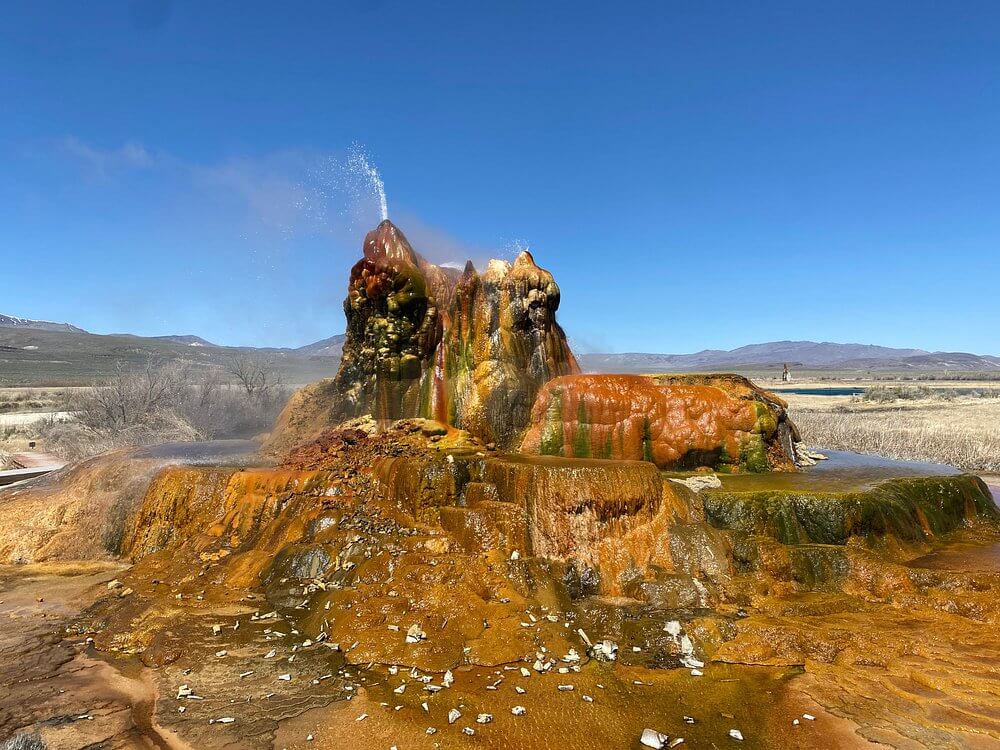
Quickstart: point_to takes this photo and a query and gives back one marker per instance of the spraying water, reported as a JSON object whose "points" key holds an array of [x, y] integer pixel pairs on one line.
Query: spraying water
{"points": [[357, 162]]}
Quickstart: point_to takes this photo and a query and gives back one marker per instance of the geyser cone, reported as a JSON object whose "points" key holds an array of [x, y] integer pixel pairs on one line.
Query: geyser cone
{"points": [[386, 241]]}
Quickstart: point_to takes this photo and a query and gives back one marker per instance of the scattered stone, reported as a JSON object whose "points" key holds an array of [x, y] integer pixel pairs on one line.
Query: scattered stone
{"points": [[605, 650], [699, 483], [454, 715], [736, 734], [519, 710], [484, 718], [415, 634], [654, 739]]}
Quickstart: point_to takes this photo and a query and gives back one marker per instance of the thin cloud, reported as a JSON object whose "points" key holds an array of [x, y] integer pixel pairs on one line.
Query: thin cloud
{"points": [[131, 155]]}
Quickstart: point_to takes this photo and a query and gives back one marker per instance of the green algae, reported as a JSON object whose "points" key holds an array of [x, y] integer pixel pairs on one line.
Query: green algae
{"points": [[552, 432], [910, 509]]}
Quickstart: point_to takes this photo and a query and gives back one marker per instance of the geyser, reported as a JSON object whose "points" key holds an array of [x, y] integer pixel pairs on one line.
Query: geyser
{"points": [[359, 164]]}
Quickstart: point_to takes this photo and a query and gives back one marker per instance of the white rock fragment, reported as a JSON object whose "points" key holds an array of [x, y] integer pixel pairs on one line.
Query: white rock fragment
{"points": [[808, 717], [606, 650], [654, 739], [362, 717], [484, 718], [736, 734], [525, 672], [566, 688], [519, 710], [699, 483], [454, 715], [284, 677], [448, 679], [415, 634]]}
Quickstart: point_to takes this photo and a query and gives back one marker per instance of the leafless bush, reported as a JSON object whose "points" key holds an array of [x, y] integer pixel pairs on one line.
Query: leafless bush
{"points": [[163, 403]]}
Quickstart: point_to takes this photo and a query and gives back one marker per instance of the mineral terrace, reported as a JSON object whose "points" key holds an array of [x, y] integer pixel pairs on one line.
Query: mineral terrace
{"points": [[462, 541]]}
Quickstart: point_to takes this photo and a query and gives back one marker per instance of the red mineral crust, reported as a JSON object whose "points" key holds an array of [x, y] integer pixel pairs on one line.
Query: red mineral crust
{"points": [[730, 424]]}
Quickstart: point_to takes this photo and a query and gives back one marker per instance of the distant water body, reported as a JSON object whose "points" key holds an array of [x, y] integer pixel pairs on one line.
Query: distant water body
{"points": [[856, 391], [832, 391]]}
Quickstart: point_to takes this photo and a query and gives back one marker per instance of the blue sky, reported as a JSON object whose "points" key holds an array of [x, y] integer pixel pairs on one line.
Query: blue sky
{"points": [[695, 174]]}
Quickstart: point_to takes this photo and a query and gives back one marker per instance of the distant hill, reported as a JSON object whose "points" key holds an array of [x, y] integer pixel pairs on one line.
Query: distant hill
{"points": [[809, 355], [10, 321], [331, 347], [189, 340], [34, 352], [31, 356]]}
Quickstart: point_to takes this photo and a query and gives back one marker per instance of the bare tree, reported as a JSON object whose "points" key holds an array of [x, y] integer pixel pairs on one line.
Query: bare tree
{"points": [[131, 398], [256, 375]]}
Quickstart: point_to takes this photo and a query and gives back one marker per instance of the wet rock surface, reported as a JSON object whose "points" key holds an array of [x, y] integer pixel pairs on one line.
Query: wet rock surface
{"points": [[722, 423], [271, 605]]}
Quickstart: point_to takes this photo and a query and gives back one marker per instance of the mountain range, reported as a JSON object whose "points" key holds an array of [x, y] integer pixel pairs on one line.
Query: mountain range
{"points": [[809, 355], [35, 351], [9, 321]]}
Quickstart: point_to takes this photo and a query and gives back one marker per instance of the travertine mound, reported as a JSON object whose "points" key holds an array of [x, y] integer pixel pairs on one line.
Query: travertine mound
{"points": [[723, 422], [468, 350]]}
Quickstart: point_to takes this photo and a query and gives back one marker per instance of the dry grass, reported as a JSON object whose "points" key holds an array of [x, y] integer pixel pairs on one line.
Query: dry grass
{"points": [[962, 432]]}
